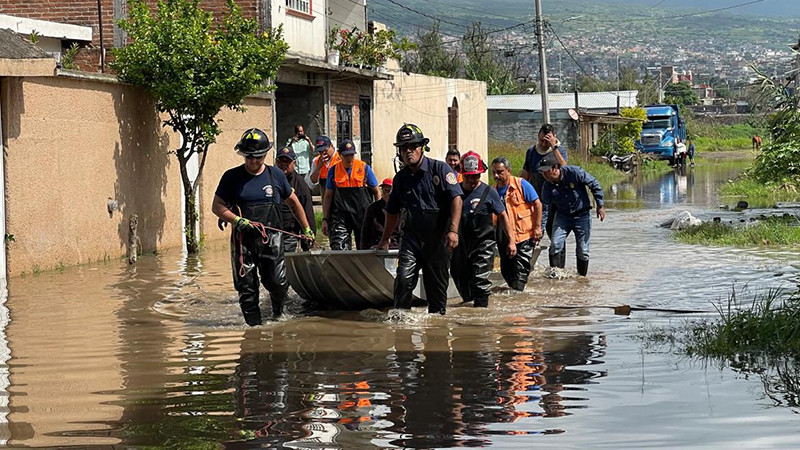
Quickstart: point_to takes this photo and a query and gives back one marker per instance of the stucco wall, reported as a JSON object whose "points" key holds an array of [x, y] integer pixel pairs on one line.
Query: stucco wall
{"points": [[72, 145], [424, 100], [305, 36]]}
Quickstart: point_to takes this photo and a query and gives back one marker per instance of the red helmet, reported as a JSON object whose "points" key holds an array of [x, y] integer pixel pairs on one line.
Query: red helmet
{"points": [[472, 164], [386, 182]]}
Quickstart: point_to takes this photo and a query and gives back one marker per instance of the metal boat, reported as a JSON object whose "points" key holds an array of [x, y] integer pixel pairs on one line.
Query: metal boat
{"points": [[356, 279]]}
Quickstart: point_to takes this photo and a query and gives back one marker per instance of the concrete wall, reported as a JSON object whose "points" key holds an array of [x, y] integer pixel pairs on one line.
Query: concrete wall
{"points": [[523, 127], [305, 36], [72, 145], [424, 100]]}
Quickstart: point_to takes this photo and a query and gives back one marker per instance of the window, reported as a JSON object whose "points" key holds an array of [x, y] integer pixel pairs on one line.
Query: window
{"points": [[344, 122], [303, 6]]}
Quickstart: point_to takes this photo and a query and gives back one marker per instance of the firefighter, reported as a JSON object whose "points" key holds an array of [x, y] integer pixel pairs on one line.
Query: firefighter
{"points": [[429, 192], [350, 188], [473, 259], [249, 196], [565, 187], [525, 216]]}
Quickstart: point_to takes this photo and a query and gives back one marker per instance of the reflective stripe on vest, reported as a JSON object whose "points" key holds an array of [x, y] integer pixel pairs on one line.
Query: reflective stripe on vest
{"points": [[519, 211], [323, 169], [357, 177]]}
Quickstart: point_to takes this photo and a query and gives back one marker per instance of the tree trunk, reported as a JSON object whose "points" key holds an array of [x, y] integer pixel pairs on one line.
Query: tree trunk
{"points": [[190, 222]]}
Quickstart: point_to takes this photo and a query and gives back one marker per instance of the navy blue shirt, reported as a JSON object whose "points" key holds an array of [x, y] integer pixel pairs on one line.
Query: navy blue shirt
{"points": [[432, 188], [532, 158], [569, 194], [491, 204], [238, 187]]}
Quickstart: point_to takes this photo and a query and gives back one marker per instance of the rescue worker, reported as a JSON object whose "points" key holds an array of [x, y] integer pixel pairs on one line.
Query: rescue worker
{"points": [[473, 259], [431, 196], [566, 188], [325, 159], [546, 144], [375, 219], [350, 187], [525, 216], [286, 160], [255, 191], [453, 159]]}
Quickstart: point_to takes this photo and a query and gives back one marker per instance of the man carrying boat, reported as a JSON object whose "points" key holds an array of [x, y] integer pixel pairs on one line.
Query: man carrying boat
{"points": [[350, 187], [286, 161], [249, 196], [525, 216], [473, 259], [565, 187], [429, 192]]}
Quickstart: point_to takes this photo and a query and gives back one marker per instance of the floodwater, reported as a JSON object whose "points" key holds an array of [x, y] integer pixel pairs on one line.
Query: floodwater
{"points": [[157, 355]]}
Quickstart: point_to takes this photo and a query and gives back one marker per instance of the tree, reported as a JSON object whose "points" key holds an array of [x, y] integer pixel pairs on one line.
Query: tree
{"points": [[680, 93], [193, 67], [432, 57], [483, 62]]}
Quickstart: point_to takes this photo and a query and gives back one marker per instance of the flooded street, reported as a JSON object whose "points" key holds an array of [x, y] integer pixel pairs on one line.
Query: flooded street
{"points": [[158, 355]]}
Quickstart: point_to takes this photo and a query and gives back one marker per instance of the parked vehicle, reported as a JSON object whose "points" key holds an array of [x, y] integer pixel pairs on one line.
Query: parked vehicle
{"points": [[663, 128], [625, 163]]}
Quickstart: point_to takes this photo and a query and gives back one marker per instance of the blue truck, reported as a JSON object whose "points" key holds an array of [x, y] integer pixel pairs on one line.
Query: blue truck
{"points": [[660, 133]]}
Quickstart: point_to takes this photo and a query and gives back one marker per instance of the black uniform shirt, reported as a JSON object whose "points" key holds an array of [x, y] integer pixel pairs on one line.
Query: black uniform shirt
{"points": [[492, 204], [432, 188], [238, 187]]}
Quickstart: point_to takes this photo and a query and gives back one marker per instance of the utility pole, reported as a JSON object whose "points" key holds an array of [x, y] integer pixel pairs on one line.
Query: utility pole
{"points": [[542, 62]]}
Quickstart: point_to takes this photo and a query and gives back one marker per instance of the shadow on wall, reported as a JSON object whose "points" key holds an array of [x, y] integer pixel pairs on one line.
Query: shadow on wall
{"points": [[141, 159]]}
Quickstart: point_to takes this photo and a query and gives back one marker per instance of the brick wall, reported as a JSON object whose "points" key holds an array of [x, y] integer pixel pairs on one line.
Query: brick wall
{"points": [[347, 93], [85, 13]]}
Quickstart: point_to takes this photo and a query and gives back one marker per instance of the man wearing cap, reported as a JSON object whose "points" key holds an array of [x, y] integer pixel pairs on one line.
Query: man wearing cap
{"points": [[375, 219], [473, 259], [429, 192], [525, 216], [325, 159], [249, 196], [565, 187], [286, 160], [350, 188]]}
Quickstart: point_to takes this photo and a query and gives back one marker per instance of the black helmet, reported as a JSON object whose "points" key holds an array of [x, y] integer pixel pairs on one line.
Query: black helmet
{"points": [[410, 134], [254, 142]]}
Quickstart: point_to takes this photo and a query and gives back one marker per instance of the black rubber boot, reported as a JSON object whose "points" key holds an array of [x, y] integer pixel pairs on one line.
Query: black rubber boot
{"points": [[481, 302], [253, 318], [553, 259], [517, 285], [558, 260], [583, 267], [277, 305]]}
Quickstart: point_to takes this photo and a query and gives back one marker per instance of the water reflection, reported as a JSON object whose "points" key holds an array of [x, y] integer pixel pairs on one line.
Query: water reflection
{"points": [[431, 389], [679, 186]]}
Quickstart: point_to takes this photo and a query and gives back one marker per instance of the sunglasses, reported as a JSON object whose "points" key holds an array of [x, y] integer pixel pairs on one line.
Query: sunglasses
{"points": [[254, 156], [408, 146]]}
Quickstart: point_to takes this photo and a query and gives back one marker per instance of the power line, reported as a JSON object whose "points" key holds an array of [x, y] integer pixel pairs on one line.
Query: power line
{"points": [[439, 19], [566, 49]]}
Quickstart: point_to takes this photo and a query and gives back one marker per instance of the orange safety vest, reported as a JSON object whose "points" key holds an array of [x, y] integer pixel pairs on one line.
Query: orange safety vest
{"points": [[323, 169], [459, 177], [357, 177], [520, 212]]}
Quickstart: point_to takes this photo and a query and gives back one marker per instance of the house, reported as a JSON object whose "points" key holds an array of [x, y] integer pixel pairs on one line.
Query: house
{"points": [[124, 169], [517, 118]]}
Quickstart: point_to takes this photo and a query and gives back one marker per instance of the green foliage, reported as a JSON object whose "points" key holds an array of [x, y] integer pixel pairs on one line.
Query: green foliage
{"points": [[681, 94], [68, 57], [758, 193], [431, 57], [773, 232], [368, 49], [483, 62], [629, 133], [34, 37], [193, 66]]}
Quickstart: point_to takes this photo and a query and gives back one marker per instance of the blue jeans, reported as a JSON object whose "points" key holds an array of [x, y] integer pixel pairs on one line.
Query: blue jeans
{"points": [[581, 225]]}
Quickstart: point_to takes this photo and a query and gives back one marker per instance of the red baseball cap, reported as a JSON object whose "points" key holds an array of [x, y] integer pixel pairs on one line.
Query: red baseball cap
{"points": [[386, 182]]}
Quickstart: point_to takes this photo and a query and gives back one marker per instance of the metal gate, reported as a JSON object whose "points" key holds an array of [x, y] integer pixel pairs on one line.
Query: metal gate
{"points": [[344, 122], [365, 122]]}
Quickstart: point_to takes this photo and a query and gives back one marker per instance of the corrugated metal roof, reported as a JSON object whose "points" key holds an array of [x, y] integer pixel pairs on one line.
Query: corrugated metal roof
{"points": [[588, 100]]}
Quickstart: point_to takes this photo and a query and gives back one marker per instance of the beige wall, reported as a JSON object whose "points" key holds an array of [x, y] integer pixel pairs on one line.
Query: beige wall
{"points": [[423, 100], [73, 144]]}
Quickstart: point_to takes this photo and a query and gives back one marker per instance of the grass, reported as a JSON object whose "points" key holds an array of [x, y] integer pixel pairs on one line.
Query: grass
{"points": [[760, 194], [773, 232], [766, 327], [712, 137]]}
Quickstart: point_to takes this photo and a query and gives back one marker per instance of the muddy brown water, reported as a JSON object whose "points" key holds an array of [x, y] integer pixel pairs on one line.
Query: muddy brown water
{"points": [[156, 355]]}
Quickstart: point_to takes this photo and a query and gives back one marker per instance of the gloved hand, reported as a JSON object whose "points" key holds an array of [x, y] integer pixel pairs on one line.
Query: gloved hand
{"points": [[242, 224], [308, 233]]}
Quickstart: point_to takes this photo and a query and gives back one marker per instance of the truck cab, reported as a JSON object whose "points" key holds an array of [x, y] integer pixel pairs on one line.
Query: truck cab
{"points": [[660, 133]]}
